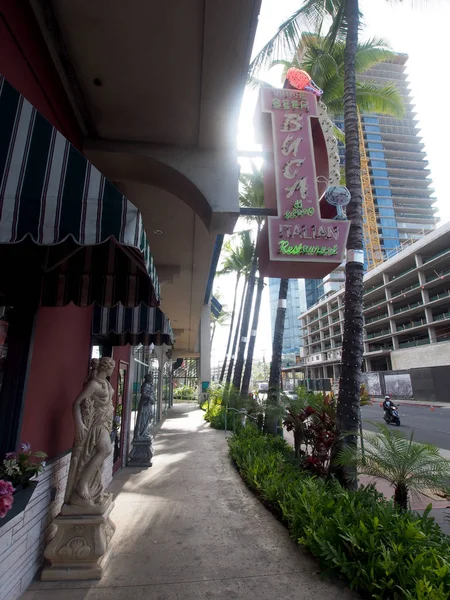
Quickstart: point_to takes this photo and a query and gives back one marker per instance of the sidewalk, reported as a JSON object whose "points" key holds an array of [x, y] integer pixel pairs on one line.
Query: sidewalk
{"points": [[188, 529]]}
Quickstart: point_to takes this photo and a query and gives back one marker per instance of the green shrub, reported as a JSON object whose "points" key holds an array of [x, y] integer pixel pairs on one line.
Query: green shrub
{"points": [[185, 392], [222, 398], [359, 536]]}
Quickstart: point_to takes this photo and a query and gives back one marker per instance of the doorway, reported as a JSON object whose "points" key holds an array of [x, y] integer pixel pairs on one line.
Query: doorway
{"points": [[120, 411]]}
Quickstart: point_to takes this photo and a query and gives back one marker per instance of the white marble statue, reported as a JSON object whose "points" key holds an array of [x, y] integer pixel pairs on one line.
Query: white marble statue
{"points": [[93, 413]]}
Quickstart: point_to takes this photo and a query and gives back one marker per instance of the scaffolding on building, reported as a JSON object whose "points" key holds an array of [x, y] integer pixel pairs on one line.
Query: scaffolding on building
{"points": [[374, 254]]}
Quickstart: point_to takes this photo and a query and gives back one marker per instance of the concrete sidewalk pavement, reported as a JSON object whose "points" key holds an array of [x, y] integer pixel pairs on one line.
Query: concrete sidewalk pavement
{"points": [[188, 528]]}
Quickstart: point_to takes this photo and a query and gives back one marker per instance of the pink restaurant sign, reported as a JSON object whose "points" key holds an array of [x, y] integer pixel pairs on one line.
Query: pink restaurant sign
{"points": [[304, 239]]}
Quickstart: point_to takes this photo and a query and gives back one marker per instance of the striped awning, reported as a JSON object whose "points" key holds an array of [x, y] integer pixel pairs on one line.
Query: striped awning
{"points": [[60, 215], [140, 325]]}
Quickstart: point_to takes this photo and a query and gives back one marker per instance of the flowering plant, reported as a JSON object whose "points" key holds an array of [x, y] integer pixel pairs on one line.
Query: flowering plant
{"points": [[6, 497], [20, 467]]}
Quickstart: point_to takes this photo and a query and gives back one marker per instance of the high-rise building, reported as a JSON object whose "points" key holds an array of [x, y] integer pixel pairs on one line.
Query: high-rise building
{"points": [[397, 164], [400, 181], [294, 307]]}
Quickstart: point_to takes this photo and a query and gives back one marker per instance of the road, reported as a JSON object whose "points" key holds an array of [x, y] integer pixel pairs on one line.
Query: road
{"points": [[428, 426]]}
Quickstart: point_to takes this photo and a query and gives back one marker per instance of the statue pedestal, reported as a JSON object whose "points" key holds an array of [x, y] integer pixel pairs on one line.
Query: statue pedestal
{"points": [[79, 549], [141, 453]]}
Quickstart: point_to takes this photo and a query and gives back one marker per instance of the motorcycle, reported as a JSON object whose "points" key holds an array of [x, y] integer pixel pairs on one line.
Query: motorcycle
{"points": [[391, 416]]}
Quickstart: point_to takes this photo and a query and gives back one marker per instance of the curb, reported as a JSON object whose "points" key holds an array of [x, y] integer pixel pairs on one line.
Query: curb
{"points": [[412, 403]]}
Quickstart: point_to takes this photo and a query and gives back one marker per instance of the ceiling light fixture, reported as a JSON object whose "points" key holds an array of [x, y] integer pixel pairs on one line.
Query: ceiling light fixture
{"points": [[157, 231]]}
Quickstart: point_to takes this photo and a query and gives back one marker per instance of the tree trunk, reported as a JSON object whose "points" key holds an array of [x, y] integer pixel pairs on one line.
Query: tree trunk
{"points": [[236, 337], [275, 365], [245, 320], [230, 335], [298, 436], [401, 496], [352, 346], [251, 344]]}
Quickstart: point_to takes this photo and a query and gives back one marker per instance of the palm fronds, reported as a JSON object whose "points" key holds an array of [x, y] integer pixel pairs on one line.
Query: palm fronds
{"points": [[400, 461], [284, 42], [381, 99]]}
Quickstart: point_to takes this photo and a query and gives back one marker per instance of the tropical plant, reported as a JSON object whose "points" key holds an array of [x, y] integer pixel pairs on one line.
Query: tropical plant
{"points": [[357, 536], [408, 466], [312, 419], [238, 258], [184, 392], [251, 195]]}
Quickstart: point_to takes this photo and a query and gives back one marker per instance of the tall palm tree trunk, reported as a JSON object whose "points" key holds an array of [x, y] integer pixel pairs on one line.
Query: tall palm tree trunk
{"points": [[230, 334], [352, 346], [236, 336], [246, 320], [251, 344], [275, 365]]}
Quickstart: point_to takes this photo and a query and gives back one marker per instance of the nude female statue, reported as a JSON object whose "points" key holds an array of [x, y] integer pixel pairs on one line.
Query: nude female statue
{"points": [[93, 413], [145, 410]]}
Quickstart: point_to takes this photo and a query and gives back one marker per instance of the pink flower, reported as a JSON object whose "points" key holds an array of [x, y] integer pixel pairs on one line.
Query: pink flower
{"points": [[5, 505], [6, 488], [25, 447]]}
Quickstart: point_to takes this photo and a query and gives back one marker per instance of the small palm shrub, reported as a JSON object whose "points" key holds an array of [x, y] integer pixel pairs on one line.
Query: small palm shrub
{"points": [[408, 466]]}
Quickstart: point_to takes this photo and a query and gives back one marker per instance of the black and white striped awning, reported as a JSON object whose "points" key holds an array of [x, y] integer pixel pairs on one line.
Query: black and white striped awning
{"points": [[140, 325], [60, 215]]}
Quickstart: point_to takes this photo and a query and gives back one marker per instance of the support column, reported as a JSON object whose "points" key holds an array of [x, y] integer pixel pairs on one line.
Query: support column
{"points": [[205, 349]]}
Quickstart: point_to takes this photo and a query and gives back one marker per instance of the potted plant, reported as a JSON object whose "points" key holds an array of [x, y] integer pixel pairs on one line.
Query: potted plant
{"points": [[16, 487]]}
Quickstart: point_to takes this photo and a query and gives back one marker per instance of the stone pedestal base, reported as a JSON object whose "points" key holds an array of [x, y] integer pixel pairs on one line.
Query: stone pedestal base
{"points": [[79, 549], [141, 454]]}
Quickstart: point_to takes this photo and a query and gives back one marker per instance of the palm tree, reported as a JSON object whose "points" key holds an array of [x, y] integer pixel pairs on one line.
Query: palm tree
{"points": [[251, 344], [325, 64], [408, 466], [221, 320], [236, 336], [275, 366], [251, 196], [239, 252], [345, 15]]}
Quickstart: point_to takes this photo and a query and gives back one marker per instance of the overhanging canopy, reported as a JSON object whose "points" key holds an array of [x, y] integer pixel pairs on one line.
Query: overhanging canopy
{"points": [[62, 219], [140, 325]]}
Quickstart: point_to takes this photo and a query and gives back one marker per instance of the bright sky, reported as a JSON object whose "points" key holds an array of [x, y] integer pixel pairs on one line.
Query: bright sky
{"points": [[421, 32]]}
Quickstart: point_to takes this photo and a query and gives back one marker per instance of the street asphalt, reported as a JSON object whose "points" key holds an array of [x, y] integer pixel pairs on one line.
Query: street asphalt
{"points": [[429, 426]]}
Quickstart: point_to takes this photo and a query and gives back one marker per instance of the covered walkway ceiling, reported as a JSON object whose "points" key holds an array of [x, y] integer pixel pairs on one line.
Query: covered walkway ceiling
{"points": [[161, 82]]}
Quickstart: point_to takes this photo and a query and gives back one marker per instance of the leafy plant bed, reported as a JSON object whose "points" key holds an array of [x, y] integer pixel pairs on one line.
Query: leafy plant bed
{"points": [[358, 536]]}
